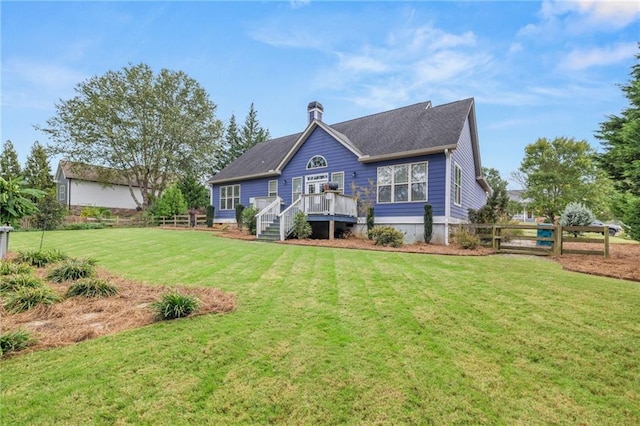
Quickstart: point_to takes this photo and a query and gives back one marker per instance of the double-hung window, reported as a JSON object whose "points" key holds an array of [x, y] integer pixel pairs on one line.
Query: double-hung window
{"points": [[338, 177], [273, 188], [229, 197], [402, 183]]}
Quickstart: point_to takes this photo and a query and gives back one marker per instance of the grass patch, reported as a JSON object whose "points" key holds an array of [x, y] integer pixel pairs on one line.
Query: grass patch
{"points": [[16, 282], [40, 258], [174, 305], [92, 287], [12, 268], [72, 269], [329, 336], [14, 341], [25, 298]]}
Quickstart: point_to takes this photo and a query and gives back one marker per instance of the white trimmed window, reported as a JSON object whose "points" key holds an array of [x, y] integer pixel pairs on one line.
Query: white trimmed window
{"points": [[402, 183], [457, 185], [296, 188], [316, 162], [273, 188], [338, 177], [62, 193], [229, 197]]}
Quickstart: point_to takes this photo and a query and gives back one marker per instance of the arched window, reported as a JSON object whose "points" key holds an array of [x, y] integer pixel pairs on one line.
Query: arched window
{"points": [[316, 162]]}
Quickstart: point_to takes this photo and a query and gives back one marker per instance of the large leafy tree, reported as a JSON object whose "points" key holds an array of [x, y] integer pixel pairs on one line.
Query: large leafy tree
{"points": [[148, 128], [559, 171], [9, 164], [496, 207], [37, 171], [620, 136]]}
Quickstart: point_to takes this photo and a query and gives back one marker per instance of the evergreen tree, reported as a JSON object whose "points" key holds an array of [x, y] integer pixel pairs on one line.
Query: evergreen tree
{"points": [[37, 171], [195, 194], [620, 136], [9, 165], [238, 141], [252, 133]]}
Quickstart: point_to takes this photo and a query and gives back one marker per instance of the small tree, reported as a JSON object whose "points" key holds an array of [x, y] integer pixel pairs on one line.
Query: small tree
{"points": [[370, 222], [576, 214], [301, 227], [210, 212], [37, 171], [249, 219], [195, 194], [428, 222], [9, 165], [50, 214], [170, 203], [239, 216]]}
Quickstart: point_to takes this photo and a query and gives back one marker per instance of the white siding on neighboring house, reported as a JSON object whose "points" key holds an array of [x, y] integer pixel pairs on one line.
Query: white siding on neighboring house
{"points": [[83, 193]]}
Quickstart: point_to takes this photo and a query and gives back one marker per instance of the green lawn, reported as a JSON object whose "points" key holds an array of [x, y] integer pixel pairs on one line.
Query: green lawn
{"points": [[331, 336]]}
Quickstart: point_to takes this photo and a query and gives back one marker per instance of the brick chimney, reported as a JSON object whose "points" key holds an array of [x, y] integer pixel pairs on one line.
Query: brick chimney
{"points": [[315, 110]]}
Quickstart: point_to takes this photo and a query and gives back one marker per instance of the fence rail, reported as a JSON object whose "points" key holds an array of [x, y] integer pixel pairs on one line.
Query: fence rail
{"points": [[540, 239]]}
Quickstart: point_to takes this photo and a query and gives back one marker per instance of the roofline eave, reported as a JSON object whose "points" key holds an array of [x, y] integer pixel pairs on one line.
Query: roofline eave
{"points": [[270, 173], [407, 154]]}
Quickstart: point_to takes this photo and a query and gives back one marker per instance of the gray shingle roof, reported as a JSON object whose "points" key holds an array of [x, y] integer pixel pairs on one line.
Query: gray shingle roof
{"points": [[417, 127]]}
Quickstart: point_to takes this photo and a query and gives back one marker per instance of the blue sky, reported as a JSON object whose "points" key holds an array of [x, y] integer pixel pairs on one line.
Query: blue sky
{"points": [[536, 69]]}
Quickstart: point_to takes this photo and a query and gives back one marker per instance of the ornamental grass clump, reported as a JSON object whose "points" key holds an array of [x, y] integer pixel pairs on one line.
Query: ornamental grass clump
{"points": [[92, 287], [40, 258], [14, 341], [26, 298], [174, 305], [11, 268], [16, 282], [72, 269]]}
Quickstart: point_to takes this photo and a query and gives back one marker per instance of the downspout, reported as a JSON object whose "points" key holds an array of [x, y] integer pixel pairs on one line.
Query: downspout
{"points": [[447, 194], [69, 194]]}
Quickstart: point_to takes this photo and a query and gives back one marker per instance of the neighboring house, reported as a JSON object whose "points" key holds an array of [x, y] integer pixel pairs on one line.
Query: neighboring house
{"points": [[78, 187], [524, 215], [395, 161]]}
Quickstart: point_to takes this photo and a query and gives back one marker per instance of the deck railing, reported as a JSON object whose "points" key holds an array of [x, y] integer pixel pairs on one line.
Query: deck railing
{"points": [[328, 203], [267, 216]]}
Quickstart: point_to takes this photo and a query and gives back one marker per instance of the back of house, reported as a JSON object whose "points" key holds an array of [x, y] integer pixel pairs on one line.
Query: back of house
{"points": [[394, 161]]}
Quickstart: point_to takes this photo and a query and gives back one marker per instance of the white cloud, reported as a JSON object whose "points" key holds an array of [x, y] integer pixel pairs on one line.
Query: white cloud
{"points": [[586, 58], [583, 16]]}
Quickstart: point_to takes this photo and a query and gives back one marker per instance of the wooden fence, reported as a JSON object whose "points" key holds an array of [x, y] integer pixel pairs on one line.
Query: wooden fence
{"points": [[541, 239], [183, 221]]}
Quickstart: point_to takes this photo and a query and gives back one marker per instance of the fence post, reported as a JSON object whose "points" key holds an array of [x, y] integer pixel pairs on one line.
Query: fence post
{"points": [[557, 249], [606, 242]]}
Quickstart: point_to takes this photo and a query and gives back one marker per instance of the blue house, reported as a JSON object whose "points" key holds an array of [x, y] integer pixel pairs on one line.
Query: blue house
{"points": [[393, 161]]}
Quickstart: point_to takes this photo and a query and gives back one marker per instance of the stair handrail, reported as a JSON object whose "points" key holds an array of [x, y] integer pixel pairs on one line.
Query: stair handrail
{"points": [[267, 216], [286, 217]]}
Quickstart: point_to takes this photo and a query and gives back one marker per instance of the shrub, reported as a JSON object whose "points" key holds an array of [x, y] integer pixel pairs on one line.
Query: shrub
{"points": [[40, 258], [428, 222], [80, 226], [466, 239], [10, 268], [239, 217], [386, 235], [210, 210], [72, 269], [370, 222], [14, 341], [301, 227], [16, 282], [249, 219], [92, 287], [27, 297], [576, 214], [174, 305], [51, 213]]}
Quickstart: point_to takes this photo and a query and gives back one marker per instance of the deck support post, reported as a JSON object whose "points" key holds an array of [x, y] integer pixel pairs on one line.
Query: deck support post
{"points": [[332, 228]]}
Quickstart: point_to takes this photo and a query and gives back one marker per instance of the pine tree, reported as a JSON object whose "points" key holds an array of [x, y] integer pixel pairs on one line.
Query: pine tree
{"points": [[252, 133], [37, 171], [9, 165]]}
